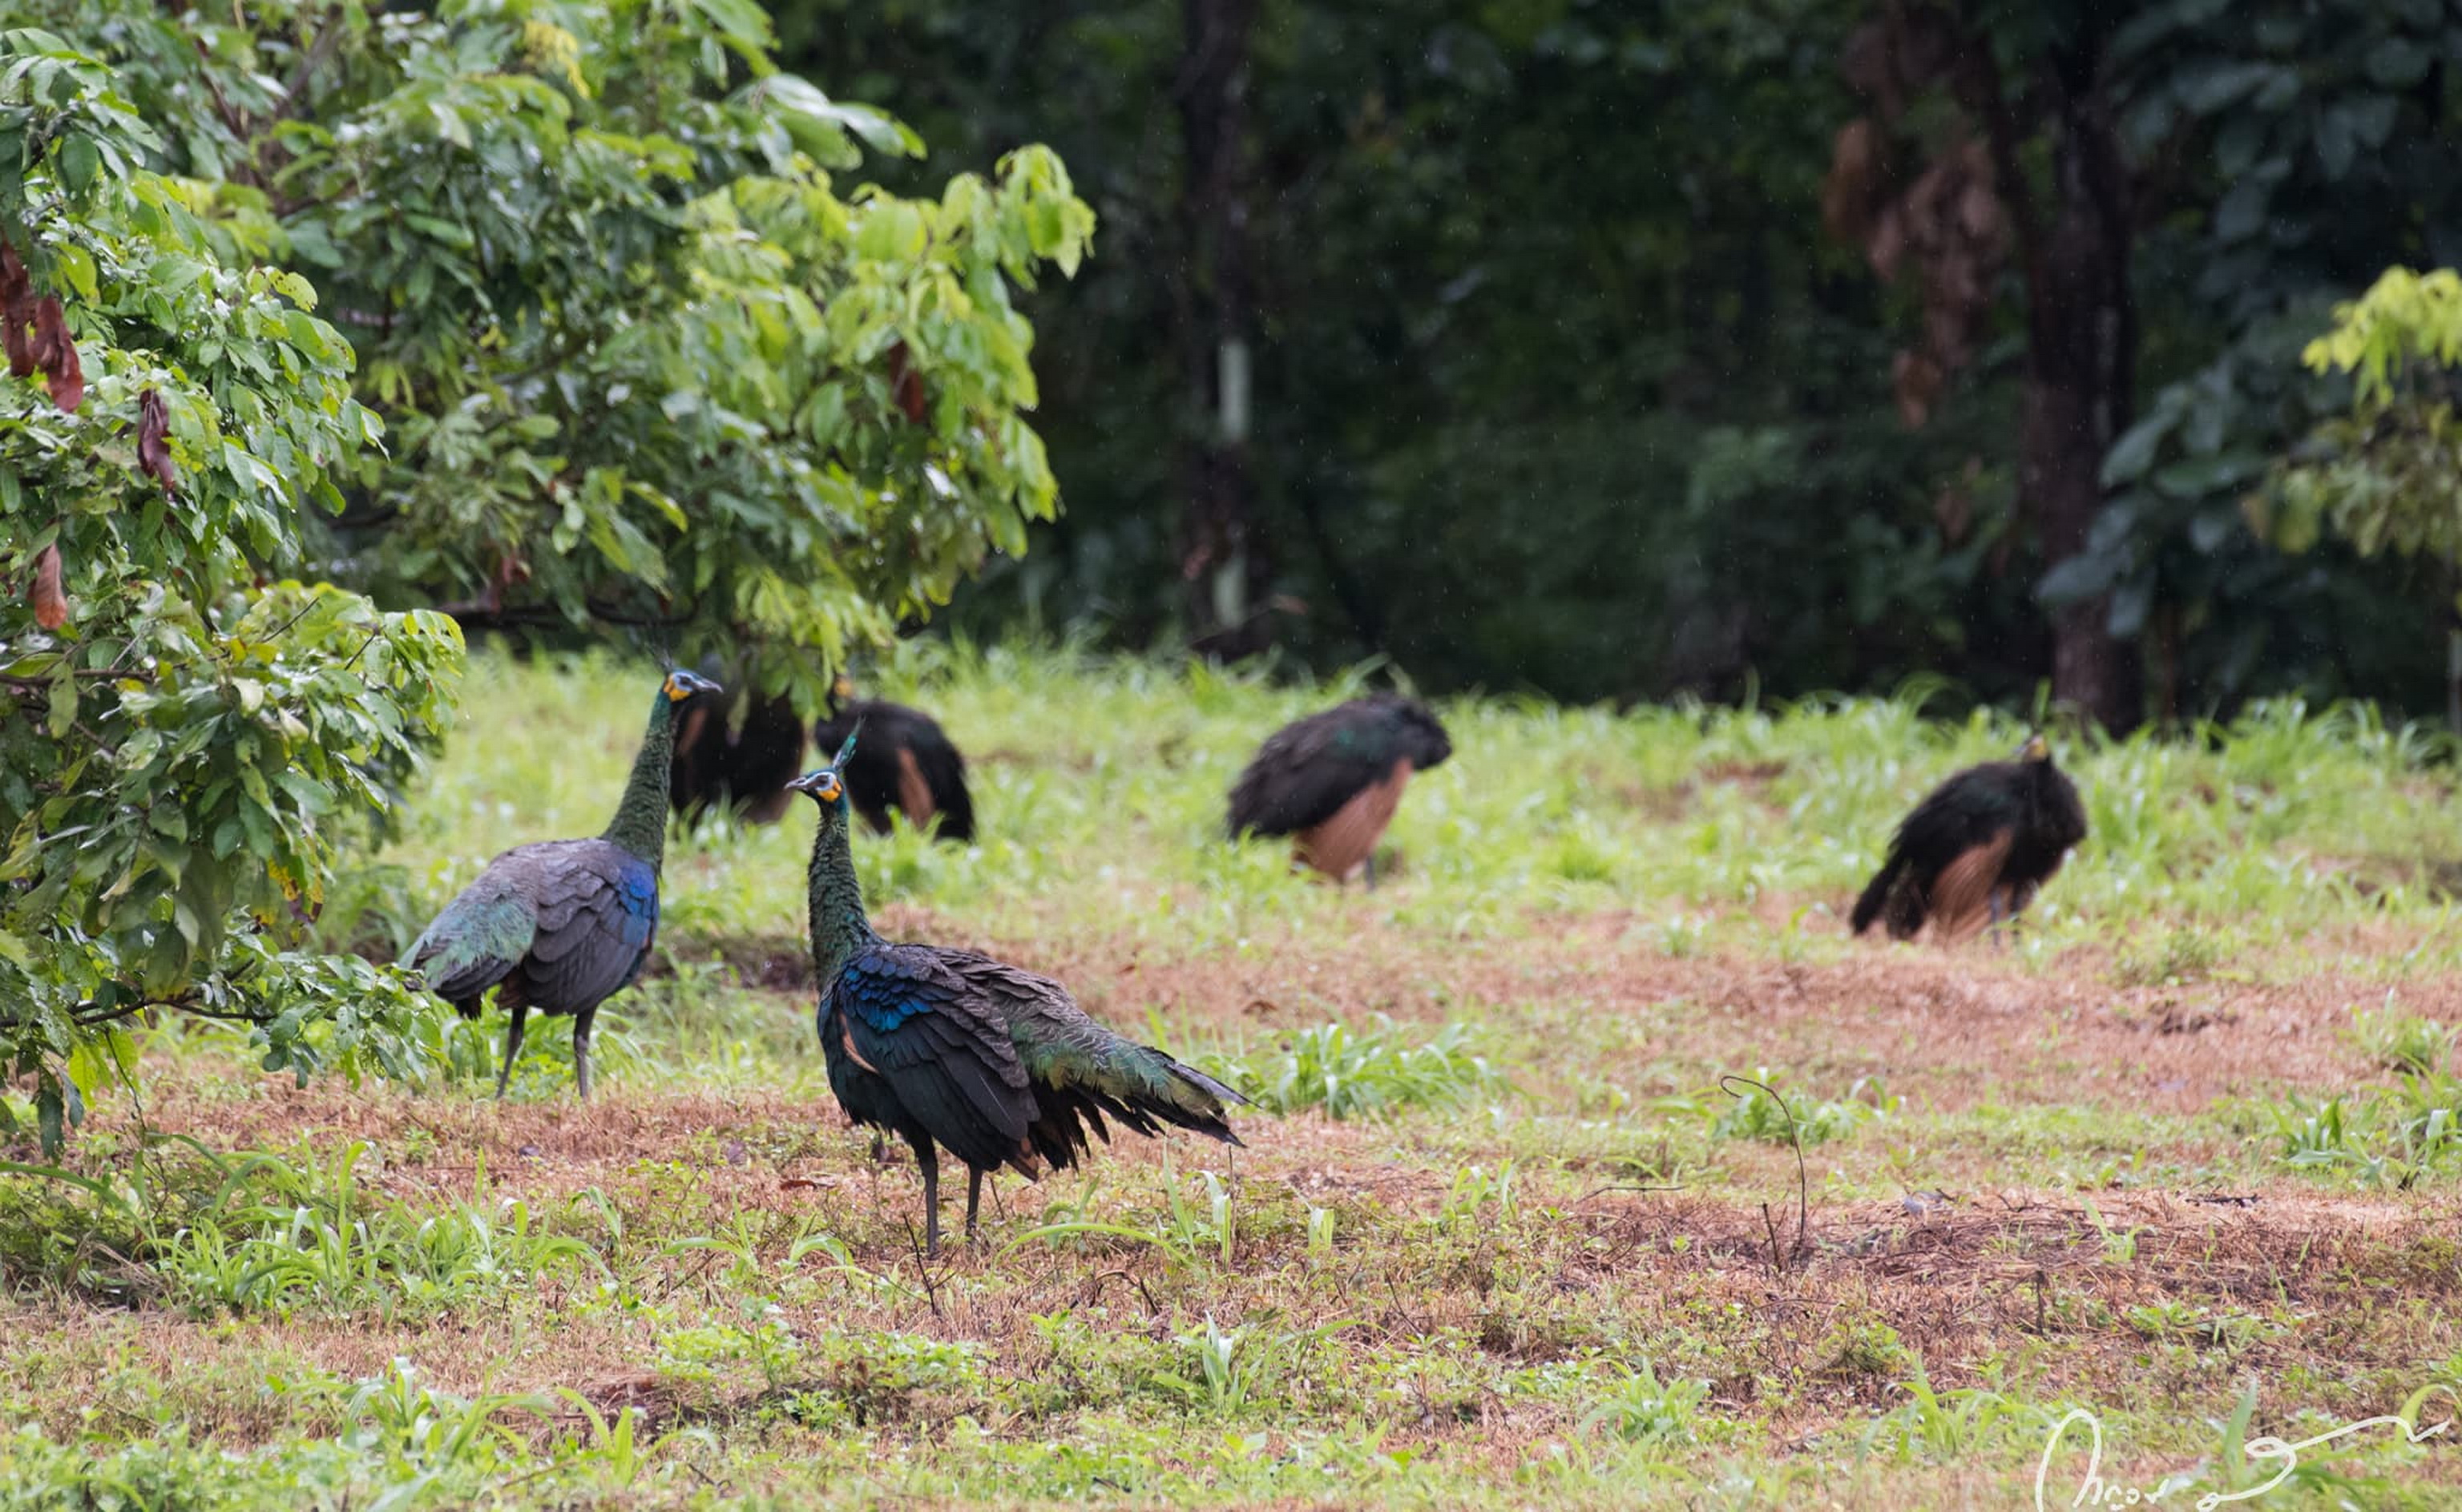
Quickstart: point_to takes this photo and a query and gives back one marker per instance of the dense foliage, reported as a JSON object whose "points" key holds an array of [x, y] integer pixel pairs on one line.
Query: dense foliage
{"points": [[544, 314], [188, 731], [1562, 380], [2388, 473]]}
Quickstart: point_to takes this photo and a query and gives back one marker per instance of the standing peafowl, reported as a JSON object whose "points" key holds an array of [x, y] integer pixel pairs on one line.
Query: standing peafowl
{"points": [[746, 769], [907, 763], [1975, 851], [1334, 779], [951, 1047], [563, 925]]}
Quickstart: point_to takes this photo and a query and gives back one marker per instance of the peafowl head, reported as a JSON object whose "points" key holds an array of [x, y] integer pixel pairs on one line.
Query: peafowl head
{"points": [[2036, 749], [825, 787], [682, 685], [1423, 735]]}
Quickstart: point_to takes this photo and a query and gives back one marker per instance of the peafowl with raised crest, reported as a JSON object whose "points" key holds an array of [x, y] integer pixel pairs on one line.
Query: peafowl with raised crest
{"points": [[1973, 853], [563, 925], [1333, 780], [951, 1049], [906, 763]]}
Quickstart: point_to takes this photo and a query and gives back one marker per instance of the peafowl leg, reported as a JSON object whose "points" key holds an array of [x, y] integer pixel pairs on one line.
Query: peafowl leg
{"points": [[929, 1159], [513, 1048], [974, 1198], [1372, 868], [581, 1050]]}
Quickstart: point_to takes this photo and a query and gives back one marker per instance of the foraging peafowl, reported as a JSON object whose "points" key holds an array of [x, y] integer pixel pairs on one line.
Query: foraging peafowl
{"points": [[952, 1047], [1334, 779], [746, 769], [563, 925], [1975, 851], [906, 763]]}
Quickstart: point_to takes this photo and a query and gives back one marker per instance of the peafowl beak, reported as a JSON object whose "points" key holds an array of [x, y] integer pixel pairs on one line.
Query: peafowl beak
{"points": [[823, 786]]}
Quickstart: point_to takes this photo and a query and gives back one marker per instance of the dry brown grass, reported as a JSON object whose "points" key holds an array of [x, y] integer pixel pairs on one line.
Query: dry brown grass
{"points": [[1924, 1242]]}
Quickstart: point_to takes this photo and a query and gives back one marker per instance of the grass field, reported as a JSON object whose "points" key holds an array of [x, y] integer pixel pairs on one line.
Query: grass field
{"points": [[2184, 1155]]}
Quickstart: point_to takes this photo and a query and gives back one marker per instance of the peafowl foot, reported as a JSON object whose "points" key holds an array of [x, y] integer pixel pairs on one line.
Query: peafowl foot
{"points": [[513, 1048]]}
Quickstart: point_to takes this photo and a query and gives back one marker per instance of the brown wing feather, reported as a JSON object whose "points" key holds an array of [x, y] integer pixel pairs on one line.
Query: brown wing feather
{"points": [[914, 793], [1342, 844], [1961, 894]]}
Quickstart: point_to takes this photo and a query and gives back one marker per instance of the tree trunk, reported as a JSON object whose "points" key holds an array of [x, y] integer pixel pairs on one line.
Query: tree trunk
{"points": [[2080, 358], [1225, 566]]}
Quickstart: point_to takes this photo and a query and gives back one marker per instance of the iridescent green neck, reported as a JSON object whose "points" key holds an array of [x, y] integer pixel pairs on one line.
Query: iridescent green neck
{"points": [[839, 926], [641, 823]]}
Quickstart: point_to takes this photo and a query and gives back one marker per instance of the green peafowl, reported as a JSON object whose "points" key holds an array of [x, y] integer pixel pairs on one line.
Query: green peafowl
{"points": [[563, 925], [1975, 851], [1333, 780], [746, 769], [951, 1047], [906, 763]]}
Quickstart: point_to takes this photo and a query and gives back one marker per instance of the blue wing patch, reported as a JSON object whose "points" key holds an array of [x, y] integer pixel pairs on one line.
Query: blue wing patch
{"points": [[882, 990], [637, 890]]}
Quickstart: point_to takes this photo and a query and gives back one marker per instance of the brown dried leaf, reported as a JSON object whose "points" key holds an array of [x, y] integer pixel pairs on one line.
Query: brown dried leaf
{"points": [[153, 453], [1886, 247], [1953, 509], [1978, 211], [1916, 379], [51, 600], [905, 384], [1855, 180], [16, 313], [57, 356]]}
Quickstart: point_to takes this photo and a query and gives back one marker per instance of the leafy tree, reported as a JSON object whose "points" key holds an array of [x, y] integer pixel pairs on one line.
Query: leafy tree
{"points": [[1542, 380], [186, 732], [550, 315], [1549, 360], [643, 363], [2164, 179], [2388, 473]]}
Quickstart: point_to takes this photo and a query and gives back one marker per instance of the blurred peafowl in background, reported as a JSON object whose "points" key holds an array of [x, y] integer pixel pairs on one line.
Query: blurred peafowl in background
{"points": [[906, 763], [951, 1047], [740, 769], [563, 925], [1975, 851], [745, 768], [1334, 779]]}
